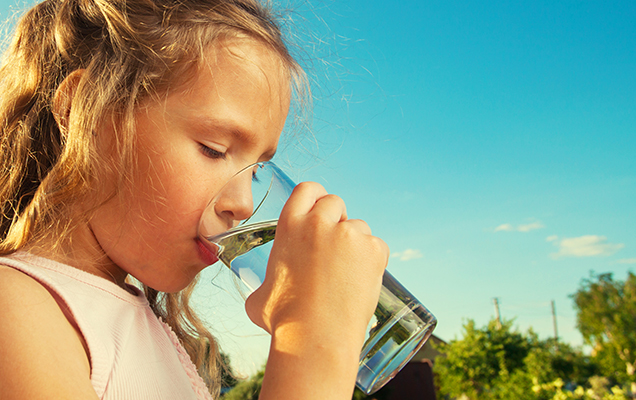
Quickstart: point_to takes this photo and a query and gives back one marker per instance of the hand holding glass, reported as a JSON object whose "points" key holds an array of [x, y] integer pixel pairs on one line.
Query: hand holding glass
{"points": [[400, 325]]}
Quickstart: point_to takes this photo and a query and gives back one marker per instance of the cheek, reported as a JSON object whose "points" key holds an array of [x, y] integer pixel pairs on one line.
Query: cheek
{"points": [[157, 225], [171, 188], [167, 200], [171, 193]]}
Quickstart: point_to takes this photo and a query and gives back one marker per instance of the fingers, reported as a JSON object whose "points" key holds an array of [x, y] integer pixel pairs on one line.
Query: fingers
{"points": [[310, 197], [321, 265], [360, 225], [303, 198], [331, 207], [377, 243]]}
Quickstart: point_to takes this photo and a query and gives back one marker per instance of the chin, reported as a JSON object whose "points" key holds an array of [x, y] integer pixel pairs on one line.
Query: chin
{"points": [[172, 287], [178, 284], [172, 282]]}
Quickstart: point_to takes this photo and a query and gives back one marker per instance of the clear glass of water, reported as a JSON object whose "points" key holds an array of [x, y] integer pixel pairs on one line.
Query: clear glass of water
{"points": [[400, 325]]}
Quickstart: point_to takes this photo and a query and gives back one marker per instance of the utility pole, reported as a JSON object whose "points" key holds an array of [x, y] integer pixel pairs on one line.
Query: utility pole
{"points": [[497, 316], [554, 323]]}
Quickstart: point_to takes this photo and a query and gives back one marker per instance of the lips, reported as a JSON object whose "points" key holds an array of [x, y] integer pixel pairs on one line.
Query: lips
{"points": [[205, 253]]}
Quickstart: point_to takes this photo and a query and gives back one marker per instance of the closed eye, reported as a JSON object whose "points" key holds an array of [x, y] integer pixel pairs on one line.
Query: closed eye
{"points": [[211, 153]]}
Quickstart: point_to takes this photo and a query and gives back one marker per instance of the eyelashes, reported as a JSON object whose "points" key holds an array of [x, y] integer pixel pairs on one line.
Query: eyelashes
{"points": [[211, 153], [217, 155]]}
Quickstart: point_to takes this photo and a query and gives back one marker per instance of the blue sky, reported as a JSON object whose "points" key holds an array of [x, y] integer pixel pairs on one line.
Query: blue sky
{"points": [[494, 143], [490, 144]]}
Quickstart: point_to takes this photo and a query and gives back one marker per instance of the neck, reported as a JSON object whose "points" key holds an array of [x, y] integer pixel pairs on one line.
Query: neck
{"points": [[82, 251]]}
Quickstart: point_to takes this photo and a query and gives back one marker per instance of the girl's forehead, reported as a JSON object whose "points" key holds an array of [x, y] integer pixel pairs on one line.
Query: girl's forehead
{"points": [[240, 58], [239, 80]]}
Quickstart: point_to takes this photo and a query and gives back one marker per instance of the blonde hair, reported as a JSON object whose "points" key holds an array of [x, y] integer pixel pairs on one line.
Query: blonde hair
{"points": [[129, 50]]}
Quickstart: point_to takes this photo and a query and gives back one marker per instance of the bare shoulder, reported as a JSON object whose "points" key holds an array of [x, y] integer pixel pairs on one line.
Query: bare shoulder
{"points": [[14, 282], [41, 351]]}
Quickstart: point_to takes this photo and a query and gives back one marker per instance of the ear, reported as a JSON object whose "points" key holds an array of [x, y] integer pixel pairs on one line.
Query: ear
{"points": [[63, 99]]}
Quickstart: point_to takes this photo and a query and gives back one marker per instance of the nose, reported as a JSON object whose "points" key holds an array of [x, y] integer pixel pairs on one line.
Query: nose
{"points": [[234, 203]]}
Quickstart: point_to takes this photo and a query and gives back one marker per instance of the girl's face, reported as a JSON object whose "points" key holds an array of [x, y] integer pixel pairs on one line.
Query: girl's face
{"points": [[189, 144]]}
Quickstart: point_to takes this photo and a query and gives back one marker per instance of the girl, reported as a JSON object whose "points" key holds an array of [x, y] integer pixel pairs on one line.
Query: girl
{"points": [[120, 120]]}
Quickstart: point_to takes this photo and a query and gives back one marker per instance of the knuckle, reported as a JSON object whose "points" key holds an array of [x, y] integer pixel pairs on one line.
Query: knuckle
{"points": [[333, 198], [362, 225], [319, 220], [304, 187], [380, 247]]}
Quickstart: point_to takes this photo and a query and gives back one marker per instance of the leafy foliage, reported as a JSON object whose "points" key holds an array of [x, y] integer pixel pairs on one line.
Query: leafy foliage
{"points": [[496, 362], [549, 361], [476, 365], [248, 389], [598, 391], [228, 378], [606, 317]]}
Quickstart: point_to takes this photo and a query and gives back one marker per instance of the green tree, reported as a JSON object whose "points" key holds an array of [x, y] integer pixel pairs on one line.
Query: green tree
{"points": [[549, 361], [228, 378], [497, 363], [476, 365], [248, 389], [606, 318]]}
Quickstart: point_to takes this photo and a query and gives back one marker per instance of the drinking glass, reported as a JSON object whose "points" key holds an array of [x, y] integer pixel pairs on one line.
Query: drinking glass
{"points": [[400, 325]]}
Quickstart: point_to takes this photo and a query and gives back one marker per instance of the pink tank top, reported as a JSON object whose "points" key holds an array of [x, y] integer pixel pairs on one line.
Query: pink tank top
{"points": [[133, 354]]}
